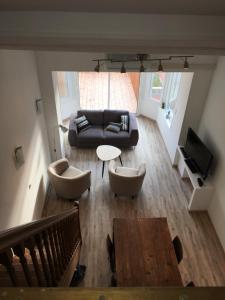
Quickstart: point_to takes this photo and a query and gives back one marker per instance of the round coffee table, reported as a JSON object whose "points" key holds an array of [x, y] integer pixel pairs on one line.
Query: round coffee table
{"points": [[107, 152]]}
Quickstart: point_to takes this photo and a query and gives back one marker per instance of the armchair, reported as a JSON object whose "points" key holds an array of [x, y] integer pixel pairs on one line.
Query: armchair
{"points": [[69, 182], [126, 181]]}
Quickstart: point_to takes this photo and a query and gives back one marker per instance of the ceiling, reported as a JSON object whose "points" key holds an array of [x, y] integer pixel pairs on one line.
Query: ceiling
{"points": [[197, 7]]}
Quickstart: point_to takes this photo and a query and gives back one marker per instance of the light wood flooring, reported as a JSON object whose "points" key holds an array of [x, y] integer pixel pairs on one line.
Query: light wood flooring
{"points": [[163, 194]]}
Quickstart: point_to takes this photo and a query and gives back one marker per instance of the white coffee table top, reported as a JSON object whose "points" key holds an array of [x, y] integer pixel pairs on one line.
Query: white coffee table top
{"points": [[106, 152]]}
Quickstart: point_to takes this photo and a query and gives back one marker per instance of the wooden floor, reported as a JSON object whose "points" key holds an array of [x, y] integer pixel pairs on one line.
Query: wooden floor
{"points": [[163, 194]]}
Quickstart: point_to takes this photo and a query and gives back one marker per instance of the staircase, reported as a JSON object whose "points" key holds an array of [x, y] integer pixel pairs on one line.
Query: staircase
{"points": [[41, 253]]}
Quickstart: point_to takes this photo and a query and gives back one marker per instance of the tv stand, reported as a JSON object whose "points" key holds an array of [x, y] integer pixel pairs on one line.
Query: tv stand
{"points": [[191, 165], [201, 195]]}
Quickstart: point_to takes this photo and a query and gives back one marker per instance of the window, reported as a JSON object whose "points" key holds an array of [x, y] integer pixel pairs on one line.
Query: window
{"points": [[173, 87], [170, 94], [108, 90], [157, 85]]}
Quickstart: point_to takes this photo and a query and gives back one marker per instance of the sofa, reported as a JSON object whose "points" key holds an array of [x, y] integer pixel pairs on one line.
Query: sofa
{"points": [[97, 135]]}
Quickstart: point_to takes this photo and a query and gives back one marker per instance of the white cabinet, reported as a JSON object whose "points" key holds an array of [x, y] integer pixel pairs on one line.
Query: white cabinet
{"points": [[201, 195]]}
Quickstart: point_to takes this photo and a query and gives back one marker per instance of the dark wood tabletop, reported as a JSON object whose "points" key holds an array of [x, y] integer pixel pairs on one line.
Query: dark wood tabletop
{"points": [[144, 253]]}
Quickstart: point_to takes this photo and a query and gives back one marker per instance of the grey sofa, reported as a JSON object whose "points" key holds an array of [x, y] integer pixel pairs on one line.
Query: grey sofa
{"points": [[97, 135]]}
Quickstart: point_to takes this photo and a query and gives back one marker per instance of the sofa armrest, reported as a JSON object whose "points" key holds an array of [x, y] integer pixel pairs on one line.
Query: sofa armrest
{"points": [[73, 133], [133, 128], [72, 125]]}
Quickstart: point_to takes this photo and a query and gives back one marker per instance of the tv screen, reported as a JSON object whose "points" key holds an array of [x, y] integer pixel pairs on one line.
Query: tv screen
{"points": [[198, 152]]}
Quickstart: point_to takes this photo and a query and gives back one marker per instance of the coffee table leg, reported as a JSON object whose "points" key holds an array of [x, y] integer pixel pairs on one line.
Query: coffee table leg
{"points": [[103, 165], [120, 160]]}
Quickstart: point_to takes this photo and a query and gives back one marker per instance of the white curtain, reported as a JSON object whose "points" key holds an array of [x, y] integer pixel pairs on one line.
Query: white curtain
{"points": [[144, 90]]}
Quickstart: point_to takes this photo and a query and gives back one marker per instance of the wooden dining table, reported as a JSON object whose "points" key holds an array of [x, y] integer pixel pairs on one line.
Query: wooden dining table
{"points": [[144, 253]]}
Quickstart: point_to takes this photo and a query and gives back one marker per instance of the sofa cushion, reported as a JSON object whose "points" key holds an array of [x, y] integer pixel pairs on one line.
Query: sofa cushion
{"points": [[82, 123], [113, 116], [94, 134], [113, 128], [71, 172], [125, 122], [116, 124], [120, 135], [128, 172], [95, 117]]}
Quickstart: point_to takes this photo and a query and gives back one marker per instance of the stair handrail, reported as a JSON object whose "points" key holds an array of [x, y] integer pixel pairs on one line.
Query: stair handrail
{"points": [[12, 236]]}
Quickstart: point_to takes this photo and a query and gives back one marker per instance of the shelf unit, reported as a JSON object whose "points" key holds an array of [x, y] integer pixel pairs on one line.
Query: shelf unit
{"points": [[201, 195]]}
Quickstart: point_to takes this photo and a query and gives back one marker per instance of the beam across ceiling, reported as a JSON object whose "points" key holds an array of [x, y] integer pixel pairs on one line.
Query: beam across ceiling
{"points": [[120, 33]]}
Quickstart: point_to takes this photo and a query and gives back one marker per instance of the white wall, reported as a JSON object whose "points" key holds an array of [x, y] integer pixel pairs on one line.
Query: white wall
{"points": [[171, 134], [196, 102], [212, 131], [22, 189], [48, 62]]}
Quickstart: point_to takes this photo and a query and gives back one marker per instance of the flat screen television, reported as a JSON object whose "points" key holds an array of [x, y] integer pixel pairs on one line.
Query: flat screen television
{"points": [[198, 153]]}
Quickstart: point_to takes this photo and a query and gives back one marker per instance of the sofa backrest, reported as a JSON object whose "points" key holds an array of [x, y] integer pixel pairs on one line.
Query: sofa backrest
{"points": [[95, 117], [113, 115]]}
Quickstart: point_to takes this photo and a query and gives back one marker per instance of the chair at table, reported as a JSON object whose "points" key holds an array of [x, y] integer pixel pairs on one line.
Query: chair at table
{"points": [[111, 253], [190, 284], [178, 249], [126, 181], [68, 181]]}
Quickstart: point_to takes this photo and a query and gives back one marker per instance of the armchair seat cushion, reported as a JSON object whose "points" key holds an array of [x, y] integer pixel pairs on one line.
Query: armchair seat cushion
{"points": [[71, 172], [128, 172], [126, 181]]}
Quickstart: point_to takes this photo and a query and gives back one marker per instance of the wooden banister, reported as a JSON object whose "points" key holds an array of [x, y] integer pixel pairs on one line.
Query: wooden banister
{"points": [[53, 247]]}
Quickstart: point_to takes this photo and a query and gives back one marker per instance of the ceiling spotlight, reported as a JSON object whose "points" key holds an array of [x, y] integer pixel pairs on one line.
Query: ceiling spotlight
{"points": [[123, 69], [142, 68], [97, 68], [160, 67], [186, 64]]}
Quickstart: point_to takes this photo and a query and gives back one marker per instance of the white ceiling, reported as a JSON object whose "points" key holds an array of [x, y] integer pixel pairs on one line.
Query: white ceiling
{"points": [[198, 7]]}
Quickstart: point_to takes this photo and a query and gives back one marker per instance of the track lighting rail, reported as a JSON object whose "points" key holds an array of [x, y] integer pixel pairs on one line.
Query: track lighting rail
{"points": [[141, 58]]}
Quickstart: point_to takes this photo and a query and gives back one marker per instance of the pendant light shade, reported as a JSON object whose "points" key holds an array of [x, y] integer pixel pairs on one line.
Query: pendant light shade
{"points": [[160, 67], [186, 64], [123, 69], [142, 68], [97, 68]]}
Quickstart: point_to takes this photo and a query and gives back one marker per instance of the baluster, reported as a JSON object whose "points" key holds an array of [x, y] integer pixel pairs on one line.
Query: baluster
{"points": [[57, 229], [43, 259], [19, 251], [57, 249], [70, 237], [53, 250], [62, 245], [65, 239], [49, 257], [73, 233], [30, 244], [77, 233], [78, 224], [76, 229], [6, 259]]}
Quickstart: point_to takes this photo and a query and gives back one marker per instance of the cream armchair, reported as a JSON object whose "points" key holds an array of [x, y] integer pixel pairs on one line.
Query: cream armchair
{"points": [[69, 182], [126, 181]]}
